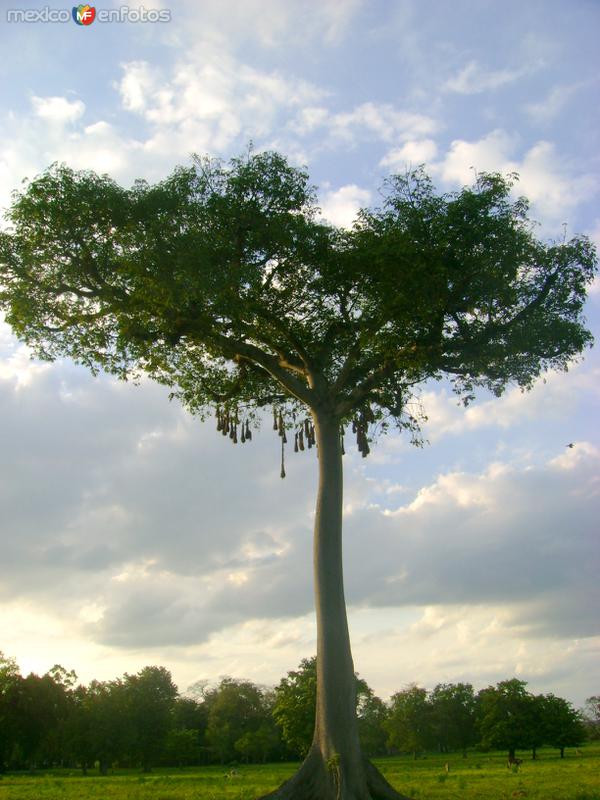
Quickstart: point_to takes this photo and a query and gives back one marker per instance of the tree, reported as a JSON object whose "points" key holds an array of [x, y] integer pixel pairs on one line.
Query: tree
{"points": [[562, 725], [150, 699], [295, 702], [591, 716], [111, 730], [262, 744], [190, 714], [41, 707], [294, 708], [234, 708], [182, 747], [79, 731], [409, 724], [507, 716], [453, 716], [222, 283], [10, 680], [372, 714]]}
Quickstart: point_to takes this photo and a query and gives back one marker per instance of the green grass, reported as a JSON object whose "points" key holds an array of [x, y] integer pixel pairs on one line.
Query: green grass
{"points": [[478, 777]]}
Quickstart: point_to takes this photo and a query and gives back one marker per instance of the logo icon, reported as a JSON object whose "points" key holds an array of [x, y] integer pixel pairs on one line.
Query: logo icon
{"points": [[84, 14]]}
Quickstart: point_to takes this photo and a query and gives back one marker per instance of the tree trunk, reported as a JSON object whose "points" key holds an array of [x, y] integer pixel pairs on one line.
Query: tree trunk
{"points": [[334, 768]]}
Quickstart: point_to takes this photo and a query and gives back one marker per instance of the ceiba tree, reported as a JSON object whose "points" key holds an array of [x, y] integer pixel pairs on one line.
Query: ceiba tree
{"points": [[223, 283]]}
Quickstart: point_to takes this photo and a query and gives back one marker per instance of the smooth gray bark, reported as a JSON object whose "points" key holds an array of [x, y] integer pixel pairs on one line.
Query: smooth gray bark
{"points": [[334, 768], [336, 729]]}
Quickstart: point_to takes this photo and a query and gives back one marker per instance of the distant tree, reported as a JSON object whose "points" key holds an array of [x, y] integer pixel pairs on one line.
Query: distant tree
{"points": [[234, 708], [106, 708], [260, 745], [372, 714], [506, 716], [10, 680], [295, 702], [409, 724], [41, 707], [562, 725], [190, 714], [222, 283], [453, 716], [150, 699], [591, 716], [79, 734], [182, 747], [537, 728], [294, 708]]}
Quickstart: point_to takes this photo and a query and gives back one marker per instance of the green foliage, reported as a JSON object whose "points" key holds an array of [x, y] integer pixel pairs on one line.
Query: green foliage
{"points": [[141, 721], [561, 725], [372, 714], [294, 709], [260, 745], [221, 282], [149, 697], [409, 725], [452, 708], [182, 747], [591, 716], [238, 721], [507, 716]]}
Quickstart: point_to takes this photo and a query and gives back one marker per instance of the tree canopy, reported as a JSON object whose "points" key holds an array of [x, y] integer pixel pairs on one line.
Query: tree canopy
{"points": [[223, 282]]}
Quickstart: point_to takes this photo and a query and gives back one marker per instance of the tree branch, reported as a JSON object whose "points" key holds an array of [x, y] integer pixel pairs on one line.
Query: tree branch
{"points": [[279, 371]]}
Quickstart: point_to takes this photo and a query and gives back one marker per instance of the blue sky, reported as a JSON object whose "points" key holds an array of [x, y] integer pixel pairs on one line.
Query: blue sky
{"points": [[474, 558]]}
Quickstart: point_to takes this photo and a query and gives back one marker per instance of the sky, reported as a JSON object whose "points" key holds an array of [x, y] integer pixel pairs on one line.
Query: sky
{"points": [[131, 533]]}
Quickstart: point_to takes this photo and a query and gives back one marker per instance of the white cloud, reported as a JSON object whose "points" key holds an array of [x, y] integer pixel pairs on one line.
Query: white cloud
{"points": [[340, 206], [551, 183], [411, 154], [274, 25], [209, 102], [474, 79], [187, 563], [554, 102], [382, 120], [16, 365], [544, 179], [57, 110], [136, 85], [491, 153], [552, 397], [309, 119]]}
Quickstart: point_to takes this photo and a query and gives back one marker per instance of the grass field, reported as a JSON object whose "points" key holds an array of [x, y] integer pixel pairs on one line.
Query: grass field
{"points": [[478, 777]]}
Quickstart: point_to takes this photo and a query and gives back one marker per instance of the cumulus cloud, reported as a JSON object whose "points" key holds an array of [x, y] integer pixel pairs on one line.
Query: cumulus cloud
{"points": [[57, 110], [552, 184], [340, 206], [411, 154], [552, 397], [119, 502], [209, 101]]}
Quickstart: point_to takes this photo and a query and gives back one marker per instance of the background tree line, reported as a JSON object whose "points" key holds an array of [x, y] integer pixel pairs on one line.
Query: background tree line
{"points": [[142, 721]]}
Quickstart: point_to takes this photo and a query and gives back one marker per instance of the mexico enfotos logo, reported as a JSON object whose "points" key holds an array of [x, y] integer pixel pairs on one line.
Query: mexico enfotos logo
{"points": [[83, 15]]}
